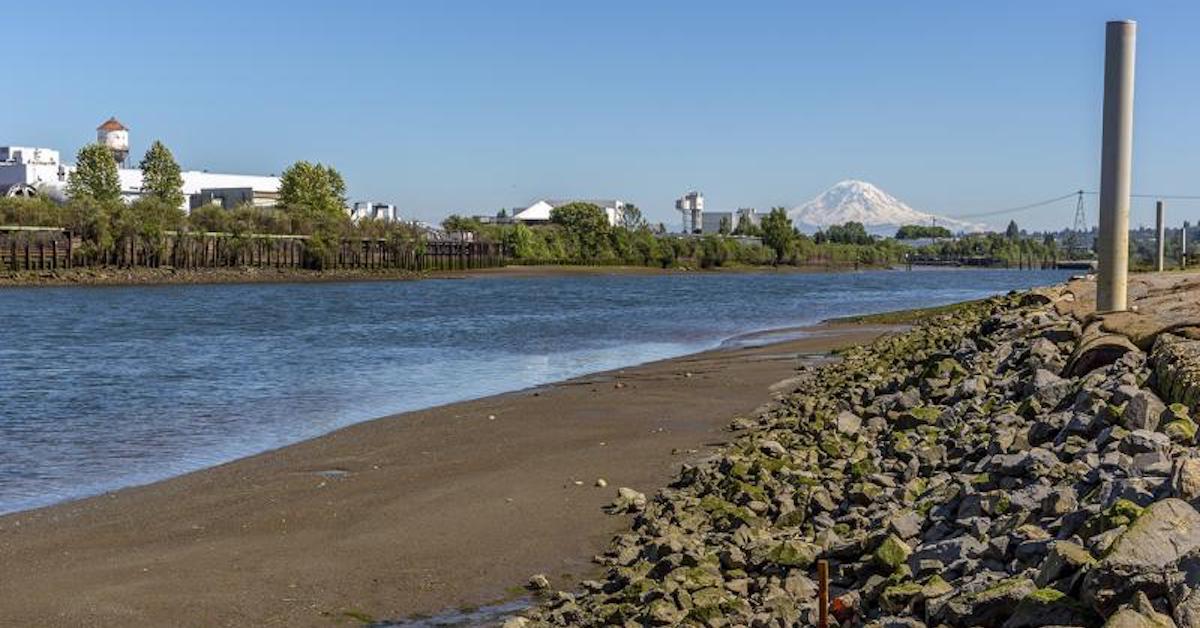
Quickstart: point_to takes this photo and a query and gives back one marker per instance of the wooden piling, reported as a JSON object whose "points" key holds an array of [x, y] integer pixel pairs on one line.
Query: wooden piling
{"points": [[823, 593]]}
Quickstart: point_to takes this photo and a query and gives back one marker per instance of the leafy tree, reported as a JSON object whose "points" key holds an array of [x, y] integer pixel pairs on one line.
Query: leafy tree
{"points": [[917, 232], [95, 177], [586, 225], [502, 214], [746, 226], [38, 211], [315, 195], [161, 177], [631, 218], [848, 233], [312, 188], [1013, 231], [461, 224], [778, 232], [725, 228]]}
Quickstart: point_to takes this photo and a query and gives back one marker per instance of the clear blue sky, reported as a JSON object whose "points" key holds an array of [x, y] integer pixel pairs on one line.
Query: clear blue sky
{"points": [[445, 106]]}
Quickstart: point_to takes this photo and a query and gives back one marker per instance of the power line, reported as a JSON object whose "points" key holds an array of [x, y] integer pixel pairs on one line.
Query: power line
{"points": [[1050, 201], [1019, 208], [1165, 197]]}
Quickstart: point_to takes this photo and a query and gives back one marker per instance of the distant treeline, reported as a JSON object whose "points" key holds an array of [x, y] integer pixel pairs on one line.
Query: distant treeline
{"points": [[580, 233]]}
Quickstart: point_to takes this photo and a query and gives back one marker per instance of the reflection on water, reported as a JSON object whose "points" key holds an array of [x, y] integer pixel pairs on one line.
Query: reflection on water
{"points": [[107, 387]]}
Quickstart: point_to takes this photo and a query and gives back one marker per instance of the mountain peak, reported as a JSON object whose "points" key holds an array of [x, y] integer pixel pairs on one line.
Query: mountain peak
{"points": [[861, 201]]}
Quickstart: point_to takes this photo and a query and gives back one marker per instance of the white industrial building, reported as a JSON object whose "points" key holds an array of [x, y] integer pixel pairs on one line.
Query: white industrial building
{"points": [[691, 205], [374, 211], [26, 171], [539, 211]]}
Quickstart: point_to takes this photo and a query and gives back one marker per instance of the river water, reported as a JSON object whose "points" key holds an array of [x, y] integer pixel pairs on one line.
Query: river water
{"points": [[102, 388]]}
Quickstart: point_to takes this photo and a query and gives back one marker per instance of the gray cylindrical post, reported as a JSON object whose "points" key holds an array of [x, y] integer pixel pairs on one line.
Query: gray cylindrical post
{"points": [[1116, 159], [1162, 235]]}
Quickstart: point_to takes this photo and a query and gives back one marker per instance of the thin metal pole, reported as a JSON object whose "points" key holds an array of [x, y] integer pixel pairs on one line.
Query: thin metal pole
{"points": [[1116, 159], [1183, 246], [1162, 234]]}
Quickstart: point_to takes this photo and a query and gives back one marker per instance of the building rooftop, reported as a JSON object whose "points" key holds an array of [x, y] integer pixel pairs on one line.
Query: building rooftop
{"points": [[112, 124]]}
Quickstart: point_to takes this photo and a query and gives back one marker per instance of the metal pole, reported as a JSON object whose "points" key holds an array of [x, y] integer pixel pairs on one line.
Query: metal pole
{"points": [[1116, 159], [1162, 234], [1183, 246]]}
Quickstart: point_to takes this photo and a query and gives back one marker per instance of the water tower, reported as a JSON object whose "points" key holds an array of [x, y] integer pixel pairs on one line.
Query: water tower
{"points": [[115, 137]]}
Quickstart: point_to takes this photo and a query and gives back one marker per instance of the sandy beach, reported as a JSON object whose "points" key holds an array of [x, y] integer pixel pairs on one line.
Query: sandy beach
{"points": [[416, 513]]}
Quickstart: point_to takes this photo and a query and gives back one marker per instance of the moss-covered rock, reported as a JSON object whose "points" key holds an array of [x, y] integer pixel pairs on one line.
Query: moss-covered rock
{"points": [[892, 552]]}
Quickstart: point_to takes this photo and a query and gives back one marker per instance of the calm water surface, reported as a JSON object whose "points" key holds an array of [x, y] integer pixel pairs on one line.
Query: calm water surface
{"points": [[102, 388]]}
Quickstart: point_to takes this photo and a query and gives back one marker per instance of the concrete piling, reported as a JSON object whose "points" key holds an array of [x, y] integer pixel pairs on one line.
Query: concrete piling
{"points": [[1116, 159]]}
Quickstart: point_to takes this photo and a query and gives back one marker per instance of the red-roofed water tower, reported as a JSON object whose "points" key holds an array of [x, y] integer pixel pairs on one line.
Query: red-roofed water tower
{"points": [[115, 137]]}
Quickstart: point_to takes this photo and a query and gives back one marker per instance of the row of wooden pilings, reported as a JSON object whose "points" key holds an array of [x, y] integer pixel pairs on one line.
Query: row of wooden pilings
{"points": [[26, 248]]}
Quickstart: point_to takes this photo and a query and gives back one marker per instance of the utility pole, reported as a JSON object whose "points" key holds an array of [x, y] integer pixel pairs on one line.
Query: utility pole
{"points": [[1116, 159], [1161, 241]]}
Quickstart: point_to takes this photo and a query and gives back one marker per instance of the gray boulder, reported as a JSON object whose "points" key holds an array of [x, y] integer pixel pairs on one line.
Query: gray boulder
{"points": [[1143, 411], [1144, 555]]}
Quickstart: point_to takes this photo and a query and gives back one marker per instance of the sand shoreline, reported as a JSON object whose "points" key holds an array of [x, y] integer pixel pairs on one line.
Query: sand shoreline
{"points": [[412, 513]]}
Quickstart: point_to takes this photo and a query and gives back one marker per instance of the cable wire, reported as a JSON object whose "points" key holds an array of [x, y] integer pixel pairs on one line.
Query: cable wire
{"points": [[1019, 208]]}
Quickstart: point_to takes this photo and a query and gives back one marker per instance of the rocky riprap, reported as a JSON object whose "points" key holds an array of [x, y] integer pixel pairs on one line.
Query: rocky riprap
{"points": [[1003, 465]]}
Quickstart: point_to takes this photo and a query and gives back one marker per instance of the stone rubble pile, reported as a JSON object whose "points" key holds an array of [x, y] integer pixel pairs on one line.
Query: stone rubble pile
{"points": [[950, 475]]}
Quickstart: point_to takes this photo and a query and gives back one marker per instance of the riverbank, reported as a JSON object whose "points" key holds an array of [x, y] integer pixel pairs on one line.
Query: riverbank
{"points": [[1020, 461], [414, 513], [181, 276]]}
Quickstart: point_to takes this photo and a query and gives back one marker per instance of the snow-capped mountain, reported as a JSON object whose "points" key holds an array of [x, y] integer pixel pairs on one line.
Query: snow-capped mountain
{"points": [[859, 201]]}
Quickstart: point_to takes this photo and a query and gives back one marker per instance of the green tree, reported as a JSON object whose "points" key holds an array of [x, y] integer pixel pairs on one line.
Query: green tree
{"points": [[161, 177], [778, 232], [725, 228], [848, 233], [1013, 231], [746, 226], [95, 177], [313, 188], [631, 218], [457, 223], [315, 196], [586, 226], [916, 232]]}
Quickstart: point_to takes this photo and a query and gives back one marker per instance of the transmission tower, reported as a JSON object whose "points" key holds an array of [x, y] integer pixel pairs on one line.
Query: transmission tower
{"points": [[1076, 238]]}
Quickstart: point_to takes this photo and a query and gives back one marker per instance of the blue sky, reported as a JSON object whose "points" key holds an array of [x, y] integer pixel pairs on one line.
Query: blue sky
{"points": [[443, 106]]}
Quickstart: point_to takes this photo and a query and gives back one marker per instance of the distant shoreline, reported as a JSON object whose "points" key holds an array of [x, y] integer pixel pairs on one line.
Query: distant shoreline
{"points": [[254, 275]]}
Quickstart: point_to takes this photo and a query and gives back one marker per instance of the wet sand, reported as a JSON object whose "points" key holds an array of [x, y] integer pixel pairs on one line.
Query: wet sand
{"points": [[416, 513]]}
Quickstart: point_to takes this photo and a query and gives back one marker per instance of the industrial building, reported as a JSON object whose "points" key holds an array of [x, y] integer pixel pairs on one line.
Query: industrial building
{"points": [[539, 211], [374, 211], [711, 222], [26, 171], [691, 205]]}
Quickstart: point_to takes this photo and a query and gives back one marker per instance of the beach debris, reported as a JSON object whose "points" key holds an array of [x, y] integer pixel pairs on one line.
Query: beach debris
{"points": [[577, 482], [601, 482], [491, 417], [971, 471]]}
